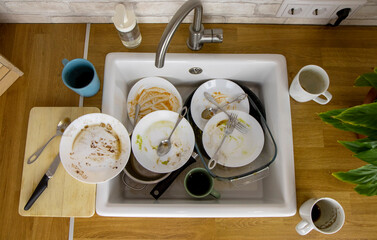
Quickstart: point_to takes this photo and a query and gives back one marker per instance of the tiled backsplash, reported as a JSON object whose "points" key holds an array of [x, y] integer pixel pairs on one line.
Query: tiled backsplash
{"points": [[161, 11]]}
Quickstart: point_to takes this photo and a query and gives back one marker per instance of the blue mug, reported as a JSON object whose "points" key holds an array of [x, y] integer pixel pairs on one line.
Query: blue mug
{"points": [[80, 76]]}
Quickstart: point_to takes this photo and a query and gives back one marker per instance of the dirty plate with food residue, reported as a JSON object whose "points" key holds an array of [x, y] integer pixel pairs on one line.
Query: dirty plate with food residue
{"points": [[95, 148], [223, 91], [238, 149], [155, 127], [152, 94]]}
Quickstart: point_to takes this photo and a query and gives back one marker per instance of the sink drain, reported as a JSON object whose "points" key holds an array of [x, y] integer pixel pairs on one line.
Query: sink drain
{"points": [[195, 70]]}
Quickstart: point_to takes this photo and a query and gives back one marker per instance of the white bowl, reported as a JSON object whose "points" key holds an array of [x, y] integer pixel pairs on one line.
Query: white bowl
{"points": [[95, 148], [238, 149], [159, 89], [154, 128], [223, 91]]}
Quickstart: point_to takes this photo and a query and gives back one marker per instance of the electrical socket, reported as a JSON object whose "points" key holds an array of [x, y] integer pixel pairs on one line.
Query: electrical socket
{"points": [[296, 10], [320, 9]]}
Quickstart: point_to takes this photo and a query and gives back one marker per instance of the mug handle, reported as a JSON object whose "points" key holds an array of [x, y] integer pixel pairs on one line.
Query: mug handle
{"points": [[303, 227], [65, 61], [215, 194], [328, 97]]}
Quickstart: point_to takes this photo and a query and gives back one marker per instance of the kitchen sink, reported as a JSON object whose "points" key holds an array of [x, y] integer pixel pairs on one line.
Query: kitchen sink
{"points": [[265, 75]]}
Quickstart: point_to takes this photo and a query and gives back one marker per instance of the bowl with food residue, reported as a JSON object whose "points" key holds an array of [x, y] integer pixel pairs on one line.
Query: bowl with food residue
{"points": [[154, 128], [153, 94], [95, 148]]}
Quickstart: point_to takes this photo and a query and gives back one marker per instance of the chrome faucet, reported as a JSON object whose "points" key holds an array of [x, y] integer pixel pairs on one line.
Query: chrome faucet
{"points": [[198, 35]]}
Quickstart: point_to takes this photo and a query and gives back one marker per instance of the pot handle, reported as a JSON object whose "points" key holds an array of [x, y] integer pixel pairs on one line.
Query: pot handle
{"points": [[162, 186]]}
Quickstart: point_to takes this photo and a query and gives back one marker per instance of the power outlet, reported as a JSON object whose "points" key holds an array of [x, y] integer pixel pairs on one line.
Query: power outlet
{"points": [[320, 9], [296, 10]]}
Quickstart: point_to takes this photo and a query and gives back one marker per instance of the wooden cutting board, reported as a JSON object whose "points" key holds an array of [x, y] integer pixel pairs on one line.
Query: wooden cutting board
{"points": [[64, 196]]}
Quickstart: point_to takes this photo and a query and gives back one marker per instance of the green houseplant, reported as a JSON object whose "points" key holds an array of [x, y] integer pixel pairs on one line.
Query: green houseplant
{"points": [[361, 119]]}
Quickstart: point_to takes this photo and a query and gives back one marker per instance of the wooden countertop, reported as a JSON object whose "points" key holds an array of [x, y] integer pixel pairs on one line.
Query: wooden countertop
{"points": [[344, 52]]}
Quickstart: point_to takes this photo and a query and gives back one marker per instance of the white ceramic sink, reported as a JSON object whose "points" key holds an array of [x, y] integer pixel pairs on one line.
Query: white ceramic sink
{"points": [[266, 76]]}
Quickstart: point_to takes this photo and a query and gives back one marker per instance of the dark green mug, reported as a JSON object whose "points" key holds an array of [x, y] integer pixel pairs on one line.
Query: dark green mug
{"points": [[199, 184]]}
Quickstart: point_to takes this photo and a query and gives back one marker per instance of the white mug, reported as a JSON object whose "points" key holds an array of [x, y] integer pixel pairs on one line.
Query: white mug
{"points": [[322, 214], [310, 83]]}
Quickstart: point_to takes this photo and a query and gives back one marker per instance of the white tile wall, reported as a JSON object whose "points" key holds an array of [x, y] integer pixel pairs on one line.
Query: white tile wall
{"points": [[368, 12], [92, 8], [2, 9], [228, 8], [267, 9], [73, 19], [255, 20], [156, 8], [161, 11], [24, 18], [40, 8]]}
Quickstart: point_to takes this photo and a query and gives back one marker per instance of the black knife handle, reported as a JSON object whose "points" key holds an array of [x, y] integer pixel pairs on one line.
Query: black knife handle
{"points": [[162, 186], [42, 185]]}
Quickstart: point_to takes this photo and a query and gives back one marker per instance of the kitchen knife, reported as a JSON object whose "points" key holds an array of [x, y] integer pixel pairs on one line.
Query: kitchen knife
{"points": [[43, 183], [162, 186]]}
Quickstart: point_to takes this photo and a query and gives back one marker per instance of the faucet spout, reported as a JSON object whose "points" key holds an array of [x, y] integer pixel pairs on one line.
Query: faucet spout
{"points": [[198, 35]]}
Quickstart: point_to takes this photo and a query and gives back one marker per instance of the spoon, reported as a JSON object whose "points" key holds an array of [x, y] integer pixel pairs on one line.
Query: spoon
{"points": [[165, 145], [62, 125], [211, 111], [137, 110]]}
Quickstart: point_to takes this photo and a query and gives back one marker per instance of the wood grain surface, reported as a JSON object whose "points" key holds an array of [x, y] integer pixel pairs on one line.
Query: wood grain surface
{"points": [[8, 74], [37, 49], [65, 196], [344, 52]]}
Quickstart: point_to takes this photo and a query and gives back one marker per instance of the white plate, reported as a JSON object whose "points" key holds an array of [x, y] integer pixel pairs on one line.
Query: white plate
{"points": [[238, 149], [158, 87], [222, 90], [155, 127], [95, 148]]}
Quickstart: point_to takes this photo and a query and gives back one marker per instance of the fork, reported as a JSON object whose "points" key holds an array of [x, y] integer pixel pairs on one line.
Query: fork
{"points": [[230, 125], [239, 125]]}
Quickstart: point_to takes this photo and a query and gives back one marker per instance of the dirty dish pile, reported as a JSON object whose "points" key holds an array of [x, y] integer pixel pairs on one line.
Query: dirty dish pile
{"points": [[154, 94], [96, 147], [237, 149]]}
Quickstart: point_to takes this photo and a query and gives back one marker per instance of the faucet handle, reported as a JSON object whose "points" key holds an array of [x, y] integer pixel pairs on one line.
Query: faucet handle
{"points": [[217, 35], [214, 35]]}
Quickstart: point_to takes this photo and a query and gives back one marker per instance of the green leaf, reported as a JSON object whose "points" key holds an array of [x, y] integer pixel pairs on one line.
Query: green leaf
{"points": [[364, 175], [360, 130], [363, 115], [367, 79], [375, 69], [329, 117], [367, 190], [369, 156], [360, 145]]}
